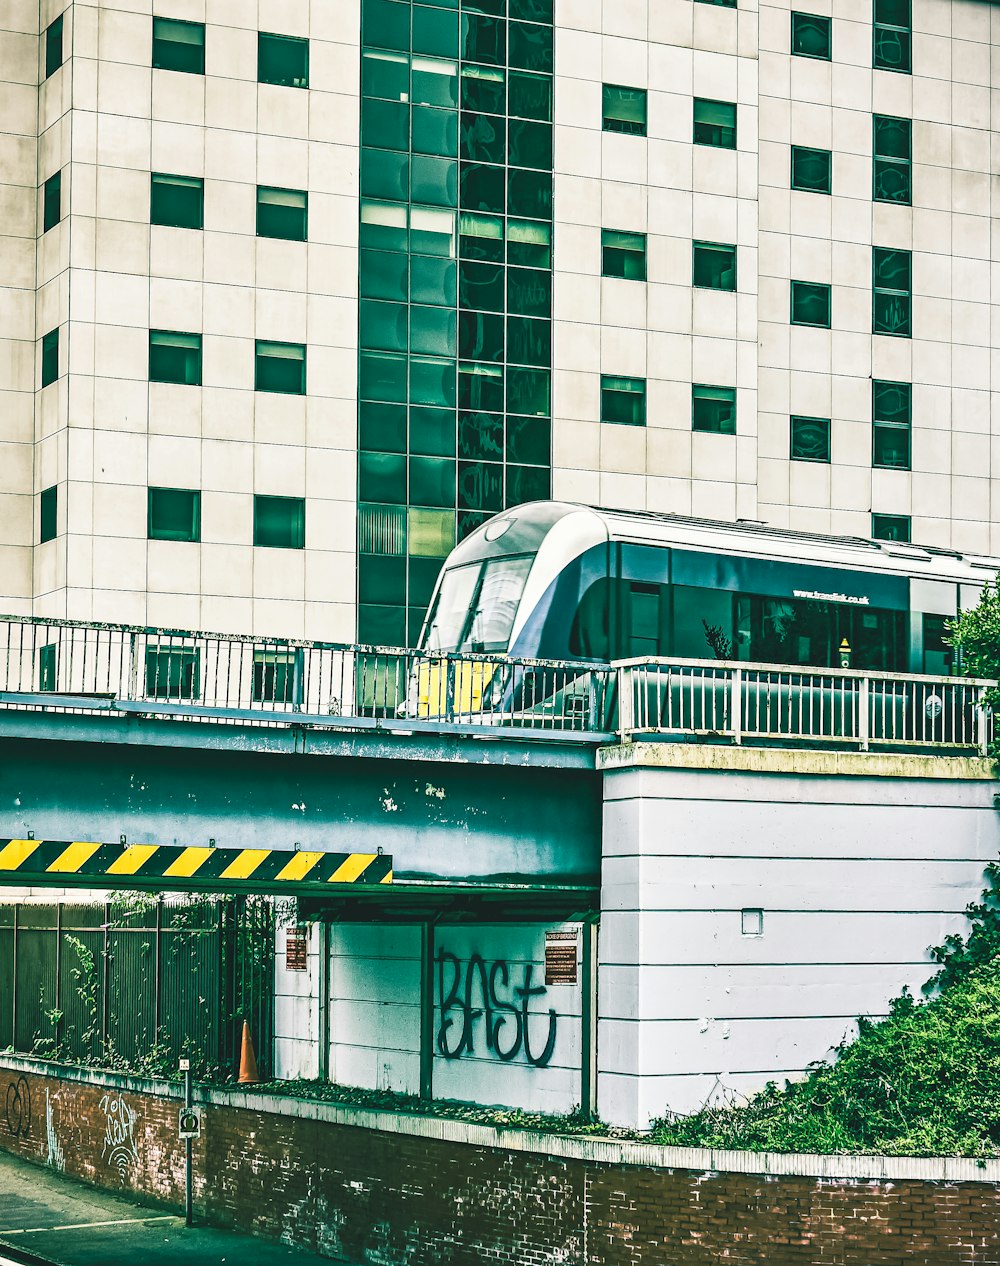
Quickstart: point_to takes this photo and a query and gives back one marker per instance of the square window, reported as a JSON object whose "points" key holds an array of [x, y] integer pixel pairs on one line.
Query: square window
{"points": [[811, 169], [50, 357], [714, 123], [48, 666], [282, 213], [176, 201], [891, 527], [891, 293], [280, 367], [623, 255], [713, 266], [277, 675], [713, 409], [810, 304], [53, 46], [175, 357], [892, 151], [48, 506], [891, 424], [529, 243], [279, 522], [623, 400], [624, 110], [892, 35], [811, 36], [179, 46], [52, 202], [173, 514], [282, 59], [810, 439], [173, 672]]}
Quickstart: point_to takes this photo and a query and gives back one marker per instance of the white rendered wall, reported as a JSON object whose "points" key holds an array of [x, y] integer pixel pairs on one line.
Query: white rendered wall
{"points": [[856, 877]]}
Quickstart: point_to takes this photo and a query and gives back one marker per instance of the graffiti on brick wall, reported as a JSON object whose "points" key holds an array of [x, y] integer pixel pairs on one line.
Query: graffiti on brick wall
{"points": [[474, 991], [119, 1134], [55, 1156], [17, 1108]]}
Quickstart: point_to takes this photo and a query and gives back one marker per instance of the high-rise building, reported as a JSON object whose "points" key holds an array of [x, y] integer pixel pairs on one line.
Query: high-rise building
{"points": [[294, 294]]}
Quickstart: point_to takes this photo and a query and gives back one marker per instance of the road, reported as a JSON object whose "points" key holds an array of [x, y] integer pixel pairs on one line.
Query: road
{"points": [[49, 1220]]}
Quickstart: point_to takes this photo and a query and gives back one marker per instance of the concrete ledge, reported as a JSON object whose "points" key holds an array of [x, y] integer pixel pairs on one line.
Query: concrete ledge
{"points": [[788, 760], [838, 1168]]}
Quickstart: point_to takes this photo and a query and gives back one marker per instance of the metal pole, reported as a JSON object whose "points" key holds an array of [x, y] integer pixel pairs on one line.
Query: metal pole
{"points": [[188, 1196], [588, 1022], [157, 969], [323, 989], [427, 1009], [13, 992]]}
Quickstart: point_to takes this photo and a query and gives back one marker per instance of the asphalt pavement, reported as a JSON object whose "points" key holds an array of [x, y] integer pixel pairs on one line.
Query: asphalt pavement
{"points": [[46, 1218]]}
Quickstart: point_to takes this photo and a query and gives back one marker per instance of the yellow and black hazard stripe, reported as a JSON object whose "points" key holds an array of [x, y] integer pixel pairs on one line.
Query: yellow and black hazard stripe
{"points": [[61, 862]]}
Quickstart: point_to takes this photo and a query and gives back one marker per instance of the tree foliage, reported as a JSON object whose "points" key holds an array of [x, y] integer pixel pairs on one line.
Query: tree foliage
{"points": [[976, 634]]}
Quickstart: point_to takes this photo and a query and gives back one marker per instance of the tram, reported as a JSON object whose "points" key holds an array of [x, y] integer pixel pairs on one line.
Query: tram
{"points": [[558, 581]]}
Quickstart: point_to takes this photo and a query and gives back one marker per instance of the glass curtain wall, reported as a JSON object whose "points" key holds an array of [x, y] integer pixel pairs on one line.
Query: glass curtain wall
{"points": [[454, 415]]}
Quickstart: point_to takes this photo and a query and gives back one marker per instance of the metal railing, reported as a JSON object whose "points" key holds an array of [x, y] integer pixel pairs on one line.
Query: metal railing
{"points": [[755, 702], [78, 667]]}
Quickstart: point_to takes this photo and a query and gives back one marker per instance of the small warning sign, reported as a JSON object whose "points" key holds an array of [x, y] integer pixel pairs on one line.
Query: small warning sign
{"points": [[295, 952], [189, 1123], [560, 958]]}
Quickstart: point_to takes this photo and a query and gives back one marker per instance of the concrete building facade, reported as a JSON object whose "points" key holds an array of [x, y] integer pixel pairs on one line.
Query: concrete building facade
{"points": [[721, 260]]}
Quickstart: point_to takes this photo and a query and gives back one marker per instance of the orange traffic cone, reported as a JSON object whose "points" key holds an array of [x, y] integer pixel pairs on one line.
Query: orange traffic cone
{"points": [[248, 1059]]}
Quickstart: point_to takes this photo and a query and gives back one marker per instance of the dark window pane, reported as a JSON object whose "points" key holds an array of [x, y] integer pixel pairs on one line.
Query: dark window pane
{"points": [[892, 145], [891, 527], [482, 138], [891, 420], [623, 400], [381, 579], [531, 10], [385, 24], [175, 357], [891, 292], [382, 477], [434, 181], [385, 124], [892, 25], [530, 144], [714, 123], [529, 342], [481, 286], [432, 330], [483, 39], [623, 255], [811, 169], [381, 626], [624, 110], [484, 90], [480, 435], [529, 292], [713, 409], [480, 486], [891, 401], [53, 46], [179, 46], [280, 367], [810, 439], [433, 281], [423, 574], [432, 432], [468, 521], [52, 202], [282, 213], [279, 522], [529, 96], [529, 194], [714, 266], [529, 243], [173, 514], [383, 225], [480, 336], [382, 428], [435, 132], [482, 188], [385, 74], [480, 387], [177, 201], [385, 174], [50, 357], [48, 506], [48, 666], [528, 391], [383, 275], [529, 441], [480, 237], [382, 376], [432, 481], [811, 35], [282, 59], [433, 82], [810, 303], [530, 47], [891, 446], [528, 483], [432, 381], [435, 31], [382, 325]]}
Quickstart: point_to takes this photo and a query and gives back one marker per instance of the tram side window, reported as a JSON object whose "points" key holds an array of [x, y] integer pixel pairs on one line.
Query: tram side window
{"points": [[702, 626], [588, 637], [938, 655]]}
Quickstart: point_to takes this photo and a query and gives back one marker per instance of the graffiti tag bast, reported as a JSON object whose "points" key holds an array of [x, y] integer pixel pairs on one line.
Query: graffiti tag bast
{"points": [[504, 1010], [119, 1135], [17, 1108]]}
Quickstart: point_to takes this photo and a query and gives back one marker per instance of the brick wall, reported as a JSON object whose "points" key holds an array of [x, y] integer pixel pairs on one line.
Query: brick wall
{"points": [[380, 1187]]}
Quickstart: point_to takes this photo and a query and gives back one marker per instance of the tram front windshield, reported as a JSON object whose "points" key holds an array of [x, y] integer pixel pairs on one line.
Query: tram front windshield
{"points": [[476, 604]]}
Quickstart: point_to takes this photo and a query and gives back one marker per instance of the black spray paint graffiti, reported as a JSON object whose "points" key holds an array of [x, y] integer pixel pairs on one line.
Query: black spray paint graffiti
{"points": [[458, 986], [17, 1106]]}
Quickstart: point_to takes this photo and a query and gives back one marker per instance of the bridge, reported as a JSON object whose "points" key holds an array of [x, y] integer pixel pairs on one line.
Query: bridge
{"points": [[451, 825]]}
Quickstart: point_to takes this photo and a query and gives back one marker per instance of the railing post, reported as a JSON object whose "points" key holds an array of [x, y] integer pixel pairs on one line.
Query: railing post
{"points": [[133, 668], [864, 705], [736, 705], [626, 703], [982, 725]]}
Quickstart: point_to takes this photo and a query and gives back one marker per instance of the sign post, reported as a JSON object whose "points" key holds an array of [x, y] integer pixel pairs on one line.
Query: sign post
{"points": [[189, 1123]]}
